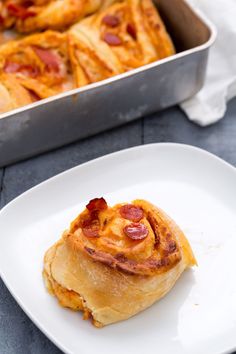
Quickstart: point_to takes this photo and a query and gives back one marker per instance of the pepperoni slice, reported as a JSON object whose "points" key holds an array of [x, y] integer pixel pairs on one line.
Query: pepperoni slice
{"points": [[20, 11], [112, 39], [91, 231], [131, 30], [11, 67], [48, 58], [26, 69], [97, 204], [111, 20], [90, 225], [131, 212], [136, 231]]}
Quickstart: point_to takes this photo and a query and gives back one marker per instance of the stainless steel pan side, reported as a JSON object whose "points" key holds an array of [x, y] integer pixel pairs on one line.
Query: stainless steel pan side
{"points": [[86, 111]]}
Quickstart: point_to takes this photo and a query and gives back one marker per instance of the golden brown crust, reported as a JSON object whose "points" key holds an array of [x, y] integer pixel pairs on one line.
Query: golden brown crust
{"points": [[115, 285]]}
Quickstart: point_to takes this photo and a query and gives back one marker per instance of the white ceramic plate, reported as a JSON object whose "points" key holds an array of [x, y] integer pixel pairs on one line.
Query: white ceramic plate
{"points": [[196, 188]]}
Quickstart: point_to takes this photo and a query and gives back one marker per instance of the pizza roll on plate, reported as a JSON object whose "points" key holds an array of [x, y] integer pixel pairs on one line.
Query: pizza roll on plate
{"points": [[114, 262]]}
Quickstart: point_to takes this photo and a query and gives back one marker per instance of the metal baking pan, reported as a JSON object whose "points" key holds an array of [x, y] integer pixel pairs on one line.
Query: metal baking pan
{"points": [[82, 112]]}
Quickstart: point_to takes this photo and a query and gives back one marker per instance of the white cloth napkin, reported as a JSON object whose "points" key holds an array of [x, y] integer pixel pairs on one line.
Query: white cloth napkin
{"points": [[209, 105]]}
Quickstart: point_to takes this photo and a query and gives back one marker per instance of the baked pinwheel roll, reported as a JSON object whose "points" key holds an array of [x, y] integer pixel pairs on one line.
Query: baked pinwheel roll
{"points": [[114, 262], [39, 62], [119, 38], [37, 15]]}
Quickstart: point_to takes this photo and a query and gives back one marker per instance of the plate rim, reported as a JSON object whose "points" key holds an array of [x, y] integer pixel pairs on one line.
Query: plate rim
{"points": [[57, 342], [121, 152]]}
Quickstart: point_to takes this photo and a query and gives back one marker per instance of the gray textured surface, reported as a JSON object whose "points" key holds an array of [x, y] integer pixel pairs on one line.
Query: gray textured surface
{"points": [[18, 335], [171, 126]]}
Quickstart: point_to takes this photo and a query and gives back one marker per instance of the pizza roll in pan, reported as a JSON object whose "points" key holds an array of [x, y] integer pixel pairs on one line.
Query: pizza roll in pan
{"points": [[120, 38]]}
